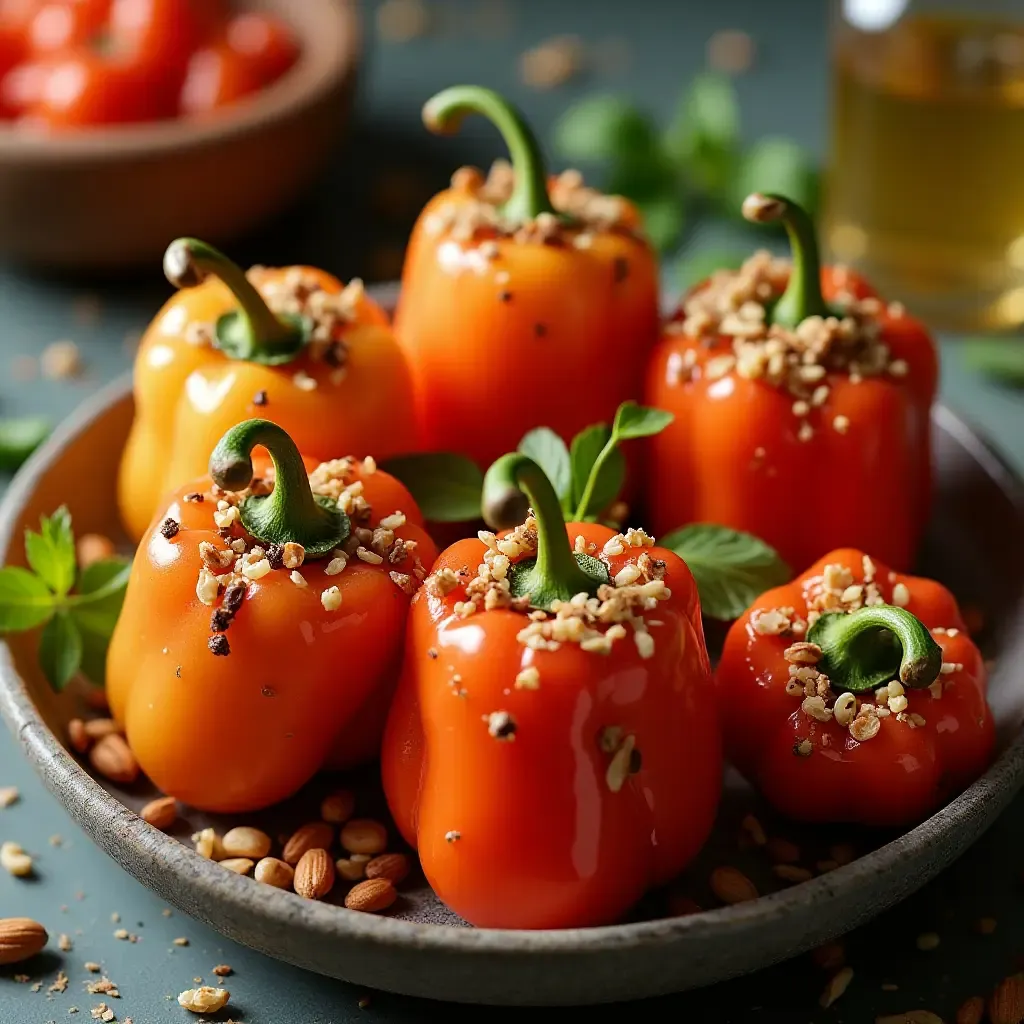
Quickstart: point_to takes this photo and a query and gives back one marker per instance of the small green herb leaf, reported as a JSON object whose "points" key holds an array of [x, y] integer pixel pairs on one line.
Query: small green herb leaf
{"points": [[548, 450], [774, 165], [731, 568], [632, 420], [586, 448], [704, 137], [101, 590], [51, 552], [698, 267], [999, 358], [25, 600], [663, 218], [60, 650], [603, 127], [446, 487], [19, 438]]}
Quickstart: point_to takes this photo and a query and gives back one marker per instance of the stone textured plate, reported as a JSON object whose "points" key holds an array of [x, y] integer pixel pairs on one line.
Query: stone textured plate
{"points": [[976, 544]]}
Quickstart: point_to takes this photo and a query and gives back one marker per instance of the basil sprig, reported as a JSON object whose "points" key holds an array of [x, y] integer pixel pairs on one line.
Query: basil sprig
{"points": [[77, 609]]}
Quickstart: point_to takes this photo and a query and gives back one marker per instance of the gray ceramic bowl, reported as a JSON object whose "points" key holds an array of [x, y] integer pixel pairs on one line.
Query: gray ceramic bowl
{"points": [[976, 544]]}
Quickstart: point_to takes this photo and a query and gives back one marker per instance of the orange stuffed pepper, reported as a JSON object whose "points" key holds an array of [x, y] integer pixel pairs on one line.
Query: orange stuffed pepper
{"points": [[521, 271], [262, 625], [793, 388], [556, 685], [287, 343], [854, 694]]}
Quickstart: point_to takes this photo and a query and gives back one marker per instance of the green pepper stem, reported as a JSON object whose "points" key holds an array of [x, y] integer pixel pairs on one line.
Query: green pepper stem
{"points": [[291, 512], [513, 483], [257, 334], [443, 114], [802, 297], [858, 653]]}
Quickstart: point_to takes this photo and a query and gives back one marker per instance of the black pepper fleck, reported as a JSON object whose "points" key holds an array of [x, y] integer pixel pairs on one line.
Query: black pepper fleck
{"points": [[233, 597], [620, 268], [540, 330], [169, 528], [432, 653], [268, 691], [504, 295], [177, 671], [260, 398], [336, 354], [275, 556], [220, 620], [635, 761], [195, 497], [219, 645]]}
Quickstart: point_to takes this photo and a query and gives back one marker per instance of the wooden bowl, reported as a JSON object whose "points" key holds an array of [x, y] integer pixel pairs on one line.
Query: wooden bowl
{"points": [[112, 197]]}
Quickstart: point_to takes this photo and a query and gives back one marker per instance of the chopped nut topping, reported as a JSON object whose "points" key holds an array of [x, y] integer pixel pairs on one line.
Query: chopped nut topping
{"points": [[528, 679], [501, 725], [331, 599]]}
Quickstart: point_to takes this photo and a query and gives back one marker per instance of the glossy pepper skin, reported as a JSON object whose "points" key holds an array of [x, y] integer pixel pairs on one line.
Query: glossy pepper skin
{"points": [[476, 304], [738, 454], [815, 770], [524, 830], [301, 685], [349, 394]]}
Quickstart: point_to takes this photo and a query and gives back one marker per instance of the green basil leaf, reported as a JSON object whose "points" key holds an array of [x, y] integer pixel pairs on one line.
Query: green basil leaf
{"points": [[586, 447], [692, 269], [703, 139], [101, 591], [548, 450], [1001, 359], [663, 218], [446, 487], [25, 600], [632, 421], [60, 650], [732, 569], [604, 128], [19, 438], [94, 655], [775, 165], [51, 552]]}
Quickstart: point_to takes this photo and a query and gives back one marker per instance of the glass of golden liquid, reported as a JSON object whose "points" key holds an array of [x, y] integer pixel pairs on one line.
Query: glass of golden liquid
{"points": [[925, 186]]}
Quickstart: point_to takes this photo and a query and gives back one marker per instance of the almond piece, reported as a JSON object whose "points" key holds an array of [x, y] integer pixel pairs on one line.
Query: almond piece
{"points": [[113, 758], [20, 938], [272, 871], [77, 736], [244, 841], [782, 851], [97, 728], [730, 885], [1006, 1004], [911, 1017], [240, 865], [971, 1012], [317, 835], [161, 813], [353, 869], [204, 999], [371, 896], [394, 867], [314, 874], [15, 861], [363, 835], [338, 806]]}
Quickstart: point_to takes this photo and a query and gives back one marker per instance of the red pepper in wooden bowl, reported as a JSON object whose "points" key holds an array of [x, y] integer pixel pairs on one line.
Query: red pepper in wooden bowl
{"points": [[854, 694], [801, 405], [552, 751]]}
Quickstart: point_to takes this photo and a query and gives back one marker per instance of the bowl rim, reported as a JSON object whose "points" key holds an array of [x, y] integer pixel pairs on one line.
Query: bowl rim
{"points": [[134, 841], [327, 58]]}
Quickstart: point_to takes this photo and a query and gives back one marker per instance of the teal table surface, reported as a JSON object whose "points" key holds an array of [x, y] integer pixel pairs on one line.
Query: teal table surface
{"points": [[354, 224]]}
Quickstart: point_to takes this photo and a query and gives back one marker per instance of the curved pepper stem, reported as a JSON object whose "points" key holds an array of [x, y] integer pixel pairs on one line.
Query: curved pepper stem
{"points": [[514, 484], [253, 332], [291, 512], [858, 652], [802, 297], [443, 115]]}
